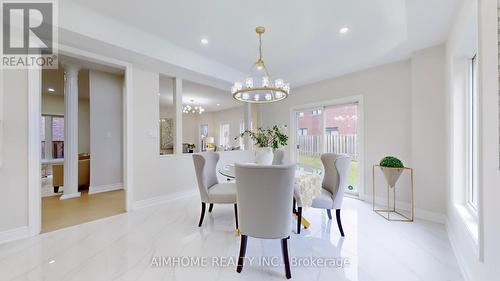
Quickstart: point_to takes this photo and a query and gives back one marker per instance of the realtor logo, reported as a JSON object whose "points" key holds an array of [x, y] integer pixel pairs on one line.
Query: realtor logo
{"points": [[28, 34]]}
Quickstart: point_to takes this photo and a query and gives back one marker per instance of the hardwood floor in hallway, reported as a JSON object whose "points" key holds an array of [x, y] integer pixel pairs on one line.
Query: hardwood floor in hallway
{"points": [[57, 214]]}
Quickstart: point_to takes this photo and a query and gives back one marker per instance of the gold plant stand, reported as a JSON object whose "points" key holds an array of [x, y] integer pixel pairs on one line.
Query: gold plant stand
{"points": [[386, 213]]}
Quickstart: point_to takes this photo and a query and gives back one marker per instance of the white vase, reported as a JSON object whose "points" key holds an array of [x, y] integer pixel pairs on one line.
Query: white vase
{"points": [[264, 156], [391, 175]]}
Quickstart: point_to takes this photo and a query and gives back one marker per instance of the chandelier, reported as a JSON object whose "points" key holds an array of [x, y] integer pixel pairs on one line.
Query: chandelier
{"points": [[258, 86], [195, 109]]}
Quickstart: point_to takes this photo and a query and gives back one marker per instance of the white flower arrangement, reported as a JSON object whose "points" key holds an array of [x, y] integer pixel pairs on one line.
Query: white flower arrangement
{"points": [[309, 187]]}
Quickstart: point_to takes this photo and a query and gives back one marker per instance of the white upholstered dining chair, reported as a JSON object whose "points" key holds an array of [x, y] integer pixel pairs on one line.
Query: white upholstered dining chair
{"points": [[265, 195], [336, 169], [211, 191]]}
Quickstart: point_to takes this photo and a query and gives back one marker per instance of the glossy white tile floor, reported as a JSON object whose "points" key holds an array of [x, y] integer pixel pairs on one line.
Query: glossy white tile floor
{"points": [[122, 247]]}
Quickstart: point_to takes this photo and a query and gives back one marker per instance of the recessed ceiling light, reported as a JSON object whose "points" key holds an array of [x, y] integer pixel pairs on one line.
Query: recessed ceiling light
{"points": [[218, 104], [204, 41], [52, 261], [344, 30], [51, 90]]}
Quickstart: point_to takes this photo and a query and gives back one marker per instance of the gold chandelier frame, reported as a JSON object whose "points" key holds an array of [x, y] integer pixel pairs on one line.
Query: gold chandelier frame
{"points": [[283, 89]]}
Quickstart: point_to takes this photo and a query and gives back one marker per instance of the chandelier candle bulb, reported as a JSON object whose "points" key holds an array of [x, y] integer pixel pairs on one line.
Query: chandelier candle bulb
{"points": [[249, 82], [265, 81]]}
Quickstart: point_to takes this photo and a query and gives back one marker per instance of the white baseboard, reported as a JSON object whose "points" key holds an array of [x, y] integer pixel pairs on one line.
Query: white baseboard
{"points": [[460, 259], [14, 234], [419, 213], [93, 189], [162, 199], [69, 196]]}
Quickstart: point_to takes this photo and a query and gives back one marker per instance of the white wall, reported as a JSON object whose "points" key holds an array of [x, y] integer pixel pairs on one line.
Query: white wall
{"points": [[428, 128], [478, 257], [106, 130], [54, 105], [14, 171]]}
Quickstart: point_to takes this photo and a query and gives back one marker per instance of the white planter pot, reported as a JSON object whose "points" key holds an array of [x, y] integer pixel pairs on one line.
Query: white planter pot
{"points": [[264, 156], [391, 175]]}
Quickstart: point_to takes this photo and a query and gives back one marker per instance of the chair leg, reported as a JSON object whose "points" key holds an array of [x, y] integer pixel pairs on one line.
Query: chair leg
{"points": [[203, 205], [293, 206], [329, 214], [339, 223], [284, 250], [236, 214], [299, 219], [210, 207], [243, 249]]}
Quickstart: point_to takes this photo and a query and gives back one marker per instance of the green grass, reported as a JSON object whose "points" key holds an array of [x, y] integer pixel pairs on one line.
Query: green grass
{"points": [[315, 162]]}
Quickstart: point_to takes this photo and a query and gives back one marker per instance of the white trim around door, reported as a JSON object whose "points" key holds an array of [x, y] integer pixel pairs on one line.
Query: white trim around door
{"points": [[34, 113], [358, 99]]}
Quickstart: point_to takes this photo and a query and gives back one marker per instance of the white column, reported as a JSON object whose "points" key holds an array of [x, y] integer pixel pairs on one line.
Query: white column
{"points": [[48, 137], [248, 125], [178, 115], [70, 132]]}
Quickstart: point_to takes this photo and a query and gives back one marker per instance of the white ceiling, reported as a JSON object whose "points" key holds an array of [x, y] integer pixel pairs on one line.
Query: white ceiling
{"points": [[211, 99], [302, 43]]}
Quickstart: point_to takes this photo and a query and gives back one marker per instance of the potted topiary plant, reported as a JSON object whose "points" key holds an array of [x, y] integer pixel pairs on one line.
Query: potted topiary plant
{"points": [[266, 140], [190, 147], [392, 168]]}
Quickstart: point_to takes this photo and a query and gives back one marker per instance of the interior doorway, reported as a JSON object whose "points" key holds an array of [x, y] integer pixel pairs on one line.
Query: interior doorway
{"points": [[81, 126], [330, 127]]}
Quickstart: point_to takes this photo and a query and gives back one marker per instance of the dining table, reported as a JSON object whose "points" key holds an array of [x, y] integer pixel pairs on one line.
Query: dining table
{"points": [[307, 185]]}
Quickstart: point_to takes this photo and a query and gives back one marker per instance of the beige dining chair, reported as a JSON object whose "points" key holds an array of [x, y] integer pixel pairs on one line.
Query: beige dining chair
{"points": [[336, 169], [265, 195], [211, 191]]}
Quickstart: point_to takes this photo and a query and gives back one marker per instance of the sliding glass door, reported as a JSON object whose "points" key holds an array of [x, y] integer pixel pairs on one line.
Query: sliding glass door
{"points": [[328, 129]]}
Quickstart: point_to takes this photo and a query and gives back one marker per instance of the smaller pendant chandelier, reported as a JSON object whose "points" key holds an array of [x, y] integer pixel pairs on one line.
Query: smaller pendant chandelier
{"points": [[195, 109], [258, 86]]}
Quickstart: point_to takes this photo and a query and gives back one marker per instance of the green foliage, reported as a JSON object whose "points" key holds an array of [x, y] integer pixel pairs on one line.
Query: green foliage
{"points": [[190, 145], [274, 137], [391, 162]]}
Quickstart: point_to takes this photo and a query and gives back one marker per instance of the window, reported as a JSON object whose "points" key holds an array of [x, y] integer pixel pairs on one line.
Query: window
{"points": [[52, 136], [42, 135], [328, 129], [203, 137], [331, 131], [471, 194], [242, 129], [224, 135], [58, 137]]}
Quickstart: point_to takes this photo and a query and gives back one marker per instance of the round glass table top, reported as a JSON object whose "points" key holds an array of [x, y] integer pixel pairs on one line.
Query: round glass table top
{"points": [[228, 171]]}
